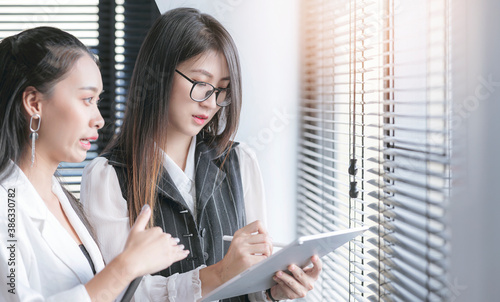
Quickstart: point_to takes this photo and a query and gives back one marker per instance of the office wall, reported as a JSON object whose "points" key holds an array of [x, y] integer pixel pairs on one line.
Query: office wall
{"points": [[266, 34], [475, 205]]}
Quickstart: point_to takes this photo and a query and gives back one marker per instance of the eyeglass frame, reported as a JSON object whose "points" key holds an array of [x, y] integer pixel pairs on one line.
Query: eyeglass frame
{"points": [[214, 89]]}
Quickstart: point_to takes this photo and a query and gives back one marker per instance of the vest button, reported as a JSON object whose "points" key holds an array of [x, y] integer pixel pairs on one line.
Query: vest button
{"points": [[205, 255]]}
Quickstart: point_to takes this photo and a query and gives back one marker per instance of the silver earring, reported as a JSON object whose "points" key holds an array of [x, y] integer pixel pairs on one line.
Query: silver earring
{"points": [[34, 135]]}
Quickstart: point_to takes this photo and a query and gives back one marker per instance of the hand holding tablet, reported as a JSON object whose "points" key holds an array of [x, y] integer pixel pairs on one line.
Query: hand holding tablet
{"points": [[260, 276]]}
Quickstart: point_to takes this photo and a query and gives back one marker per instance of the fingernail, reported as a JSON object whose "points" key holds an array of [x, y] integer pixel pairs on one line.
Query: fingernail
{"points": [[292, 267], [177, 239], [145, 208], [279, 274]]}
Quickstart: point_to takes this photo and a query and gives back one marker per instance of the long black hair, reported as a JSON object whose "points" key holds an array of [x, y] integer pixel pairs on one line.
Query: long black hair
{"points": [[40, 58], [176, 36]]}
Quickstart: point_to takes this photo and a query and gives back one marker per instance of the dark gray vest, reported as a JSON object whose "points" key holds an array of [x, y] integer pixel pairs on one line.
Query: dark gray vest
{"points": [[219, 204]]}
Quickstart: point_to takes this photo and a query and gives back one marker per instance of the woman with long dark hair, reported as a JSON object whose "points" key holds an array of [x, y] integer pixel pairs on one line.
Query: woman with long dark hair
{"points": [[175, 152], [49, 89]]}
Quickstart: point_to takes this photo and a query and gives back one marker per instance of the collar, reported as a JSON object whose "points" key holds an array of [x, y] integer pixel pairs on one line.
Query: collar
{"points": [[179, 177], [25, 191]]}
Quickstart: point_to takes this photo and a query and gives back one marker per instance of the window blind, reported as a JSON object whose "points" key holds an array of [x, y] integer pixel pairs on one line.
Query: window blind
{"points": [[415, 171], [133, 20], [374, 147]]}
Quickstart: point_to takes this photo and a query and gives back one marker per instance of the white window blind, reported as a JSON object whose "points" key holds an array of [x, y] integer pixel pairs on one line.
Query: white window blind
{"points": [[78, 17], [374, 147]]}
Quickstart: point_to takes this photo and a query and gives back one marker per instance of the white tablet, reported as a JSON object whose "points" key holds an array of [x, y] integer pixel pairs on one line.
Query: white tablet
{"points": [[260, 276]]}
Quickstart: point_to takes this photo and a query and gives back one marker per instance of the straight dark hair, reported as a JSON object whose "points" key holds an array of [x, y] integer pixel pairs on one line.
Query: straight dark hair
{"points": [[176, 36], [40, 58]]}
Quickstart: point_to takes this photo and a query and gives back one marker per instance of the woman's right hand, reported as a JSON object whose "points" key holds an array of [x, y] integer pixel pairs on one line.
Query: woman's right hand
{"points": [[147, 251], [151, 250], [250, 245]]}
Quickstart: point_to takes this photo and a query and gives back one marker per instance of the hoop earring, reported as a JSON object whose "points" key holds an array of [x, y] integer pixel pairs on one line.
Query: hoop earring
{"points": [[34, 135]]}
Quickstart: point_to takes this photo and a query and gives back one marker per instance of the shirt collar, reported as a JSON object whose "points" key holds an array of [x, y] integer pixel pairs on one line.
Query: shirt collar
{"points": [[179, 177]]}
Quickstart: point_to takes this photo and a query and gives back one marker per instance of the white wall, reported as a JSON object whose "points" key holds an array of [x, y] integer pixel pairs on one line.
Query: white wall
{"points": [[475, 205], [266, 34]]}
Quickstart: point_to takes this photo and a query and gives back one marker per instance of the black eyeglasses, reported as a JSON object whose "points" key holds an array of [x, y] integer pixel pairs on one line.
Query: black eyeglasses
{"points": [[201, 91]]}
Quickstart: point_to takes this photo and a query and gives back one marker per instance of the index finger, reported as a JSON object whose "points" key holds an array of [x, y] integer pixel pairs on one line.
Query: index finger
{"points": [[142, 220], [255, 227], [317, 267]]}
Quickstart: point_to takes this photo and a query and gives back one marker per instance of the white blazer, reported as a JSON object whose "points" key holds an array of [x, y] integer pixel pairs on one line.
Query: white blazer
{"points": [[40, 255]]}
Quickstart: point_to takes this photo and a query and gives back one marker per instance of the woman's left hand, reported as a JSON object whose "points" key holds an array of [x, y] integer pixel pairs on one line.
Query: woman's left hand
{"points": [[299, 283]]}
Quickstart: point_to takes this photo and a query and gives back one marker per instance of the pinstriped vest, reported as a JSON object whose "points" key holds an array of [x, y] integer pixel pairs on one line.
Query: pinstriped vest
{"points": [[219, 205]]}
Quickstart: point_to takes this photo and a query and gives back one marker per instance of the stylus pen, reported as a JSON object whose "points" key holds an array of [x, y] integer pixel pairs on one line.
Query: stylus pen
{"points": [[275, 244]]}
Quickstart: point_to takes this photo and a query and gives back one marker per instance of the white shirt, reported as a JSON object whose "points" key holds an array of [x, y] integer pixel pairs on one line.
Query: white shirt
{"points": [[48, 263], [184, 180], [107, 211]]}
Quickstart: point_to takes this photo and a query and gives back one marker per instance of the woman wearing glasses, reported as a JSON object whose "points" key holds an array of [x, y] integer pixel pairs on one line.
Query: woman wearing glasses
{"points": [[175, 153]]}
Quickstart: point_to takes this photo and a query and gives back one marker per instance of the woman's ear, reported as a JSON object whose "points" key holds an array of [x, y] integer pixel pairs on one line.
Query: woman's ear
{"points": [[32, 101]]}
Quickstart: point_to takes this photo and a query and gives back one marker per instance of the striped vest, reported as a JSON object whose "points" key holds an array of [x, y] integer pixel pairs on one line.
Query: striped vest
{"points": [[219, 204]]}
